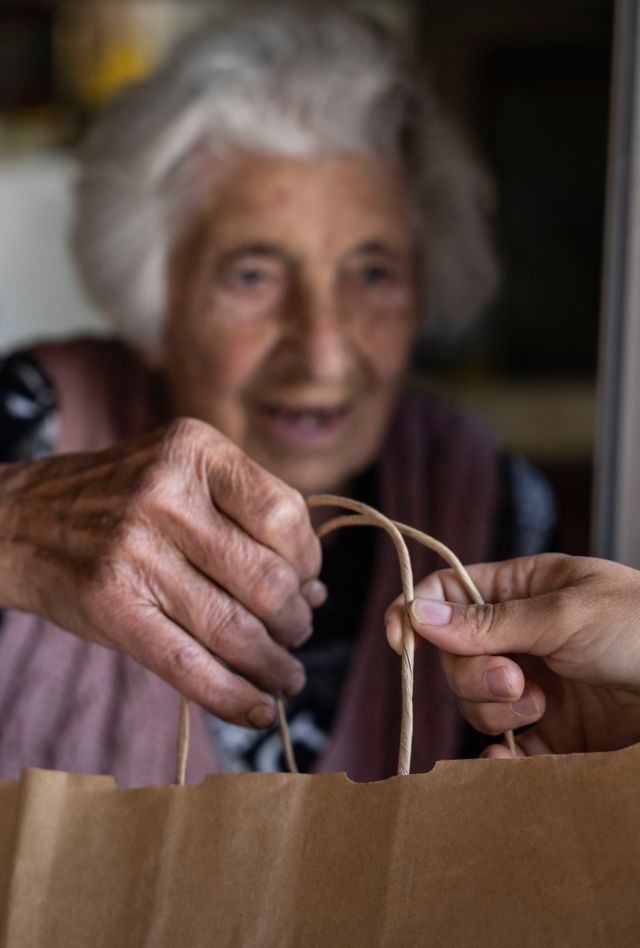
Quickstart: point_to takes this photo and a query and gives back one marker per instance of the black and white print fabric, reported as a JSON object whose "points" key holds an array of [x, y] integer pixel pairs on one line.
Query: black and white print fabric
{"points": [[28, 412]]}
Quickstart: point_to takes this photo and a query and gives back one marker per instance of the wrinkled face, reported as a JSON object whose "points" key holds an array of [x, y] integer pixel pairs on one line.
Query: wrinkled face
{"points": [[292, 313]]}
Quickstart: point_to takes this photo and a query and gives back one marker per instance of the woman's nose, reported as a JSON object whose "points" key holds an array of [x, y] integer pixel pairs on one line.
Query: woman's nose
{"points": [[323, 338]]}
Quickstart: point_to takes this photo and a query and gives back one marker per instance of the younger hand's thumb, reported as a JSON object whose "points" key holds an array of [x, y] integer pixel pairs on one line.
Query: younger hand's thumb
{"points": [[467, 629], [470, 629], [430, 618]]}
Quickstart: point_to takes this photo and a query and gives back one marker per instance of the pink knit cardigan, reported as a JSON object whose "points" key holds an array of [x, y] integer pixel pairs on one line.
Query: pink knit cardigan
{"points": [[70, 705]]}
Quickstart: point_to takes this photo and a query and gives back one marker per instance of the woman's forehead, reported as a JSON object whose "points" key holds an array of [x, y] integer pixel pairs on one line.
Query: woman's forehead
{"points": [[281, 202]]}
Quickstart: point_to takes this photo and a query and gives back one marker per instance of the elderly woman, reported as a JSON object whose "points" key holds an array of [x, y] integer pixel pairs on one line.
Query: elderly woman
{"points": [[265, 221]]}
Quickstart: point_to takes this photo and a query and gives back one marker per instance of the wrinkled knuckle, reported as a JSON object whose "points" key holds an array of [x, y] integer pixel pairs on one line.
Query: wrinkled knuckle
{"points": [[283, 514], [238, 470], [182, 429], [181, 662], [226, 627], [240, 478], [165, 484], [483, 616], [274, 585], [179, 438], [217, 624], [156, 492], [248, 627]]}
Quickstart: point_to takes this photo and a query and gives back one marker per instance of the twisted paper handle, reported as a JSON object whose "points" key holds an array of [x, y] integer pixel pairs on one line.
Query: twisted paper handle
{"points": [[363, 515]]}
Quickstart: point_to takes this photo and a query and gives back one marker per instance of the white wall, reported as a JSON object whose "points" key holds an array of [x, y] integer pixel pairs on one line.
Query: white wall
{"points": [[39, 293]]}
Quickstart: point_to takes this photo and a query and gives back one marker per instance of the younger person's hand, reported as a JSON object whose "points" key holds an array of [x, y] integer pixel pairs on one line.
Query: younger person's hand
{"points": [[557, 647]]}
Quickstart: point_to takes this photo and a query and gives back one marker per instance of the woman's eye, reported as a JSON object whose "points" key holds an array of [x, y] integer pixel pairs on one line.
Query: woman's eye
{"points": [[249, 285], [251, 277], [374, 274]]}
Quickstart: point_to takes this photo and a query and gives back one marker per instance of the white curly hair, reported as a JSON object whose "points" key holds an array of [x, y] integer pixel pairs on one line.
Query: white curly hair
{"points": [[286, 81]]}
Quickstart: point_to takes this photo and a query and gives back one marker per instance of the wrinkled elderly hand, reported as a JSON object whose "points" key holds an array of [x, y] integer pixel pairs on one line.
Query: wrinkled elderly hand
{"points": [[171, 548], [572, 625]]}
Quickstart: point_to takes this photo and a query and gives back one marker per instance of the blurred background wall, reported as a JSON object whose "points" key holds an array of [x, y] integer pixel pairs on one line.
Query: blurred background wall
{"points": [[529, 79]]}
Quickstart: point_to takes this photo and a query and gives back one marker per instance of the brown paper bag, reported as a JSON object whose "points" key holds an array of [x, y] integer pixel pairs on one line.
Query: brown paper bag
{"points": [[530, 852]]}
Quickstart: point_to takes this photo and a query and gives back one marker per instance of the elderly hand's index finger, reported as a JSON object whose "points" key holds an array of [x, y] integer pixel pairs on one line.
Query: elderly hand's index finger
{"points": [[267, 509]]}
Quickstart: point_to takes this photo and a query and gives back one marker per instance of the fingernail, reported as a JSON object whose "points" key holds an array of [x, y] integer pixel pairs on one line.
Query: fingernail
{"points": [[499, 682], [315, 592], [297, 681], [263, 715], [527, 706], [431, 611]]}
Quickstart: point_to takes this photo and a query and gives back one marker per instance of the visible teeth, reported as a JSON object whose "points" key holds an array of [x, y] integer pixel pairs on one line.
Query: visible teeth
{"points": [[317, 416], [311, 418], [312, 421]]}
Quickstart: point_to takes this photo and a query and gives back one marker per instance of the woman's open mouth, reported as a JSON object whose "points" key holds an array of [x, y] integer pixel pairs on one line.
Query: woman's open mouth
{"points": [[306, 425]]}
